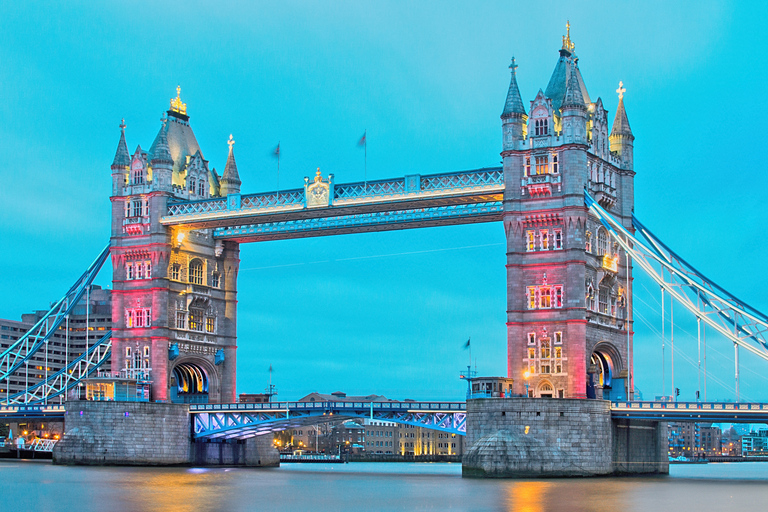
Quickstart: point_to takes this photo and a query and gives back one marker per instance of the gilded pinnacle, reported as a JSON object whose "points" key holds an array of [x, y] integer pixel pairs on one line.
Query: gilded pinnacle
{"points": [[567, 43], [621, 90], [176, 103]]}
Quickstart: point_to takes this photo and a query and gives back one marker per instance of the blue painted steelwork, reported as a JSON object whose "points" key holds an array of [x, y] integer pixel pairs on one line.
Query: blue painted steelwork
{"points": [[248, 420], [742, 324], [66, 378], [38, 336], [442, 189], [395, 219], [47, 412], [692, 411]]}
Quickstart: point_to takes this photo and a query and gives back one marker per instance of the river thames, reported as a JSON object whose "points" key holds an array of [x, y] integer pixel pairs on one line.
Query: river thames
{"points": [[371, 486]]}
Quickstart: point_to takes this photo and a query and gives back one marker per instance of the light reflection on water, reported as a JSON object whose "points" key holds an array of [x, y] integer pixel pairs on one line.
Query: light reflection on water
{"points": [[370, 486]]}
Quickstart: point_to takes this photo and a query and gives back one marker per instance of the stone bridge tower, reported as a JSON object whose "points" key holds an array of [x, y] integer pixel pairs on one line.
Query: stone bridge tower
{"points": [[174, 289], [569, 289]]}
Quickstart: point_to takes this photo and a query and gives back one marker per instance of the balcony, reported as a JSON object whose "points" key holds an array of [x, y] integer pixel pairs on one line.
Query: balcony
{"points": [[135, 225], [540, 185], [603, 193]]}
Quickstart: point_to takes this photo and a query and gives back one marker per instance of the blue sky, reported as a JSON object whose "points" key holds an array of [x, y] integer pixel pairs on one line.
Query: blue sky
{"points": [[382, 313]]}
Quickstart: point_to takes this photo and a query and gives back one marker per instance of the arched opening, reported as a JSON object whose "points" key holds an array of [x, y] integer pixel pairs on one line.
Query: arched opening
{"points": [[599, 376], [546, 390], [189, 384], [196, 272]]}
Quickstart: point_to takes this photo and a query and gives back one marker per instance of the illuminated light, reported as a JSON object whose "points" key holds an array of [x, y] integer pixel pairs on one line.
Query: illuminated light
{"points": [[176, 104], [611, 263], [527, 374], [180, 237], [527, 428]]}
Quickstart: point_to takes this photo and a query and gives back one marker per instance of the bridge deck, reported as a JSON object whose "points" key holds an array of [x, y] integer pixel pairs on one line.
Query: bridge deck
{"points": [[692, 411]]}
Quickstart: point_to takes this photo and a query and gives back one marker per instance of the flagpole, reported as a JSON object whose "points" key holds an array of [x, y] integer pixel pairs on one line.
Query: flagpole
{"points": [[365, 157], [278, 173]]}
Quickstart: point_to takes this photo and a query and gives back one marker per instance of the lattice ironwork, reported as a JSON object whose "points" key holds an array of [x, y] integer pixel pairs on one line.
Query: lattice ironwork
{"points": [[365, 220], [272, 199], [249, 420], [198, 207], [67, 378], [38, 336], [735, 320], [370, 189], [469, 179]]}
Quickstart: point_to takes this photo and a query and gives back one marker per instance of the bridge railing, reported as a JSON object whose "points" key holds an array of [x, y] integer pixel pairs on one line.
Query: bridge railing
{"points": [[689, 406]]}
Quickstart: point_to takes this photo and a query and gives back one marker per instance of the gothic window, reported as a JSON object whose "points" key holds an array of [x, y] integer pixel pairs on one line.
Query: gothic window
{"points": [[602, 242], [192, 185], [531, 243], [175, 271], [531, 338], [541, 126], [558, 239], [201, 188], [558, 296], [136, 208], [181, 320], [603, 300], [588, 246], [590, 298], [146, 351], [215, 280], [542, 164], [138, 317], [129, 271], [146, 207], [558, 338], [148, 270], [545, 356], [527, 170], [127, 352], [196, 272], [555, 166], [531, 295], [140, 270], [138, 176], [196, 319], [209, 324], [544, 240], [545, 298]]}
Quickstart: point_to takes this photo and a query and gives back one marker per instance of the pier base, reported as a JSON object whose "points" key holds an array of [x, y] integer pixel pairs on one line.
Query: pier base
{"points": [[535, 438]]}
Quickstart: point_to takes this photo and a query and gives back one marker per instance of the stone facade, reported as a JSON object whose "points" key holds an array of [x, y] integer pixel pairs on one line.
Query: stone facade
{"points": [[569, 317], [534, 438], [174, 290]]}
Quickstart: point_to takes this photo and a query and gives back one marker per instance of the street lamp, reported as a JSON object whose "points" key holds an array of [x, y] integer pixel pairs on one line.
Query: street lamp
{"points": [[526, 375]]}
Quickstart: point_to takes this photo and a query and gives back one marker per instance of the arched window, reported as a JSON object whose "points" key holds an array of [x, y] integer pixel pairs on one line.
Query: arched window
{"points": [[192, 185], [201, 188], [602, 242], [138, 175], [196, 272]]}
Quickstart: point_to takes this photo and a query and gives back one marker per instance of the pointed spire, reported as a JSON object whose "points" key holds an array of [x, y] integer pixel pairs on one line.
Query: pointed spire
{"points": [[573, 96], [162, 154], [620, 122], [514, 104], [230, 180], [122, 158]]}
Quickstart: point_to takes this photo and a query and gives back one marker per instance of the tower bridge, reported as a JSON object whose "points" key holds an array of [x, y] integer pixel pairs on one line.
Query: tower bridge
{"points": [[564, 197]]}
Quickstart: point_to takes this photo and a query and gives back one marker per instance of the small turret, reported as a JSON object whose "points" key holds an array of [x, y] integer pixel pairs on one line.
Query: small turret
{"points": [[121, 163], [230, 180], [621, 137], [162, 163], [574, 110], [513, 118]]}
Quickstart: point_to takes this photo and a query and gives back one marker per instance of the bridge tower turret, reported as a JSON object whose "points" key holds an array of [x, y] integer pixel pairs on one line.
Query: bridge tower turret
{"points": [[174, 289], [513, 118], [568, 315]]}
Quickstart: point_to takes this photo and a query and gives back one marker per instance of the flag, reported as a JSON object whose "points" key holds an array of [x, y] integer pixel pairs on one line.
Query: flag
{"points": [[276, 152], [270, 368], [362, 140], [466, 345]]}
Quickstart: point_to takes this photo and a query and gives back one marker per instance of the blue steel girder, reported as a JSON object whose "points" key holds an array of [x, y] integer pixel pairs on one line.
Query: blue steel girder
{"points": [[735, 320], [411, 192], [729, 412], [365, 222], [241, 421], [21, 350]]}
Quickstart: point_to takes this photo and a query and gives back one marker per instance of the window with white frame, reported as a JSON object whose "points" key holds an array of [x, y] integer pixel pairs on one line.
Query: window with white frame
{"points": [[541, 126], [181, 320], [558, 239], [210, 324], [201, 188], [136, 208], [543, 358], [588, 245], [196, 272], [215, 280], [602, 242], [545, 355], [129, 271], [558, 338], [138, 175], [603, 300], [541, 297], [192, 185], [176, 272], [196, 319], [138, 270], [544, 238], [138, 317], [530, 237], [531, 338], [591, 298], [542, 165]]}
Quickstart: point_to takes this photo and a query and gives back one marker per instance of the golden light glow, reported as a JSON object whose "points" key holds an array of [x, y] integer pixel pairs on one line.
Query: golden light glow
{"points": [[180, 237], [527, 374], [567, 43], [611, 262], [527, 429], [176, 104]]}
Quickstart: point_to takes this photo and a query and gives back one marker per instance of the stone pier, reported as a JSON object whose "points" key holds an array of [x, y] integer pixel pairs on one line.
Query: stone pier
{"points": [[535, 437], [148, 434]]}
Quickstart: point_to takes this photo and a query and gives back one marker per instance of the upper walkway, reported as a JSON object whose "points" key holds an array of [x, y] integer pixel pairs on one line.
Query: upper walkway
{"points": [[323, 207], [730, 412]]}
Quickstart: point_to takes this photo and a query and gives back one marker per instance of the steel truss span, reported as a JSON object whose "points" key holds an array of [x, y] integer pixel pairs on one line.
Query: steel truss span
{"points": [[15, 356], [66, 378], [241, 421], [742, 324]]}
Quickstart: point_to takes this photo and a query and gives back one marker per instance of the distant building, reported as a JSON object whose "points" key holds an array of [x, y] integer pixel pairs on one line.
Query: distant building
{"points": [[94, 311], [693, 439], [254, 398], [755, 443]]}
